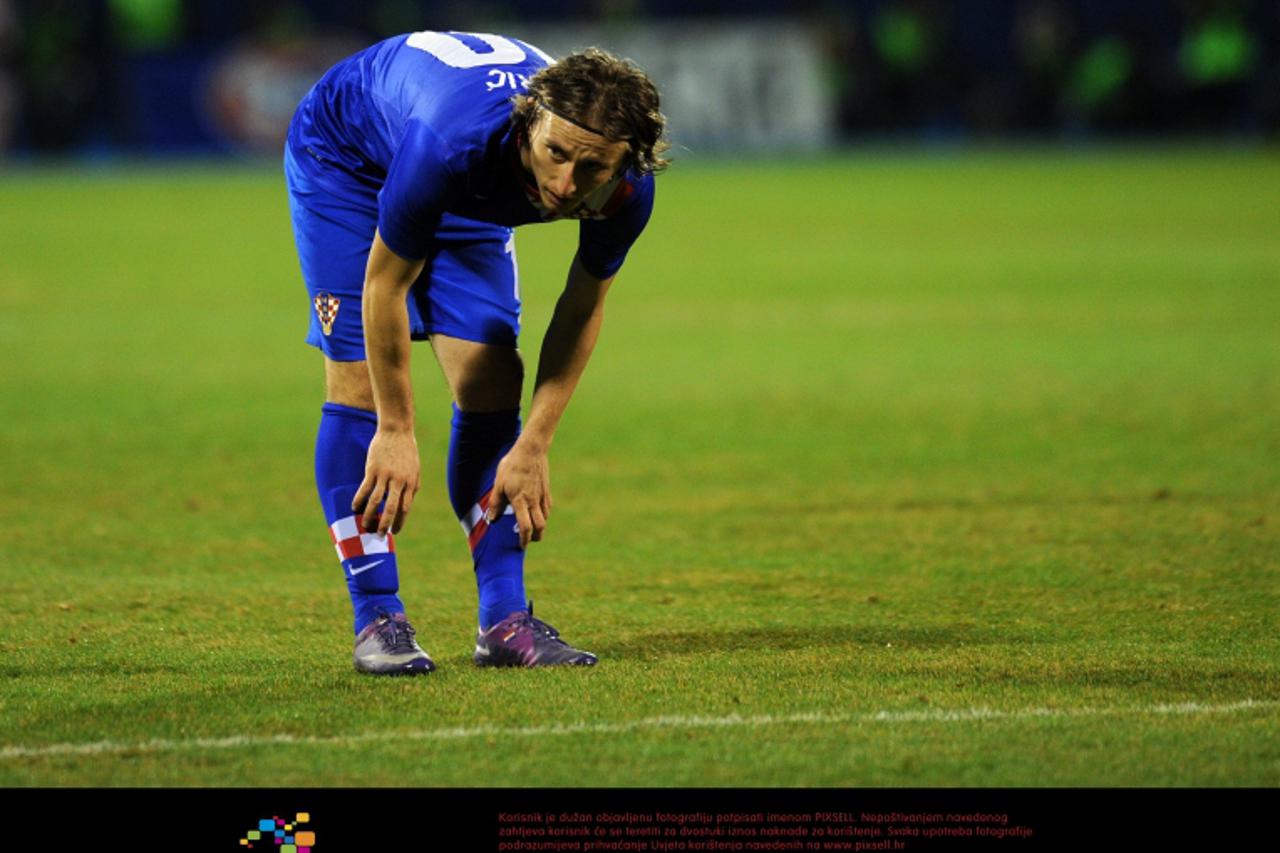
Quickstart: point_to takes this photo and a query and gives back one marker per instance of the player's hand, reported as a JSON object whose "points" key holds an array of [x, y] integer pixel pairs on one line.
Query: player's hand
{"points": [[390, 473], [523, 481]]}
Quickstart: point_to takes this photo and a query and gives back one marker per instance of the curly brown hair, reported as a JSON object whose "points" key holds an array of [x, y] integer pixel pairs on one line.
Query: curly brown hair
{"points": [[604, 94]]}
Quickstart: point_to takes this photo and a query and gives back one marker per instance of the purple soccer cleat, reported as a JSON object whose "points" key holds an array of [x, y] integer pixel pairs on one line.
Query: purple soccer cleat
{"points": [[386, 647], [521, 640]]}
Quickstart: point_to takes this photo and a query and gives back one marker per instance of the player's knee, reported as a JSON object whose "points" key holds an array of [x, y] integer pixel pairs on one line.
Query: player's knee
{"points": [[492, 382], [347, 383]]}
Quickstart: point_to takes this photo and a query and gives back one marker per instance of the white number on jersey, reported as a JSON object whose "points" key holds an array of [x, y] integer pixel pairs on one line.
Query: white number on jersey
{"points": [[453, 51], [515, 268]]}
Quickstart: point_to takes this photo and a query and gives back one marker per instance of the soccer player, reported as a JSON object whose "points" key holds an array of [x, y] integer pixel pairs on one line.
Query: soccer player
{"points": [[408, 166]]}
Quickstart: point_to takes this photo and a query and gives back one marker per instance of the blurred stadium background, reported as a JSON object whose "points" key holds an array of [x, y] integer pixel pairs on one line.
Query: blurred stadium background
{"points": [[931, 439], [146, 77]]}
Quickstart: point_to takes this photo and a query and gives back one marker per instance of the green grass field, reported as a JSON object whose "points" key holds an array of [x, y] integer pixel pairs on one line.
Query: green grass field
{"points": [[909, 470]]}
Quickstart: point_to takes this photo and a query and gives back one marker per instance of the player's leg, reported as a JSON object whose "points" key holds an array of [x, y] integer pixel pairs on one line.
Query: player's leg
{"points": [[385, 641], [485, 380], [347, 426], [333, 237], [472, 310], [347, 383]]}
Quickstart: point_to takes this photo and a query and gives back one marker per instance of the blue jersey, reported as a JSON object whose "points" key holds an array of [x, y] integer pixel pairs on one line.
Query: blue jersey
{"points": [[420, 125]]}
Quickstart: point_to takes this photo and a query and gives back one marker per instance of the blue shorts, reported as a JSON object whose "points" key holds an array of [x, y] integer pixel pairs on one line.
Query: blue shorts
{"points": [[468, 289]]}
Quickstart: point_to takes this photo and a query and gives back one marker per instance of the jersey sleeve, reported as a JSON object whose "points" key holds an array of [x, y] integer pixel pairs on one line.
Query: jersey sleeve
{"points": [[420, 184], [603, 243]]}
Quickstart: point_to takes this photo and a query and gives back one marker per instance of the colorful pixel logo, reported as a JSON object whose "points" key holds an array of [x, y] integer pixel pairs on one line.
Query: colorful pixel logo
{"points": [[275, 834]]}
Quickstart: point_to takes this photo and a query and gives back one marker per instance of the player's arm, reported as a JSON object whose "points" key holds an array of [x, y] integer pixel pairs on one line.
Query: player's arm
{"points": [[391, 469], [522, 479]]}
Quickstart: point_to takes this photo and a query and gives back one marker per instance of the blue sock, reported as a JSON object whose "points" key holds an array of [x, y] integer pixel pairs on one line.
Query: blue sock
{"points": [[477, 443], [368, 560]]}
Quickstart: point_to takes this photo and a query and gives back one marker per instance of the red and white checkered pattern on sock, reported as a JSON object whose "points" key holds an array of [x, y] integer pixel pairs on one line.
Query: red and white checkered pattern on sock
{"points": [[351, 540], [475, 525]]}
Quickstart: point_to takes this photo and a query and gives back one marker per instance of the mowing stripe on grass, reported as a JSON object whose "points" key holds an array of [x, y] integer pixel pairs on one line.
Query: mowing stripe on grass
{"points": [[940, 715]]}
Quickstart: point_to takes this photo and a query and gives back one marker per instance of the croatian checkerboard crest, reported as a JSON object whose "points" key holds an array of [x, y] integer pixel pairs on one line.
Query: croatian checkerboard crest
{"points": [[327, 311]]}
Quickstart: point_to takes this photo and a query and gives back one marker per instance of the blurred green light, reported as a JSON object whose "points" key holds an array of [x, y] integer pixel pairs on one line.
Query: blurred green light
{"points": [[1220, 51]]}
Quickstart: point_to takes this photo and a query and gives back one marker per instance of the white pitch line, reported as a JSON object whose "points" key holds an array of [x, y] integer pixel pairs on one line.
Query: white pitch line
{"points": [[939, 715]]}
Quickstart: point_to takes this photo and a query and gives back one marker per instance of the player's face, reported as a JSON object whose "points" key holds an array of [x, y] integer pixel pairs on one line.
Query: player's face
{"points": [[569, 163]]}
